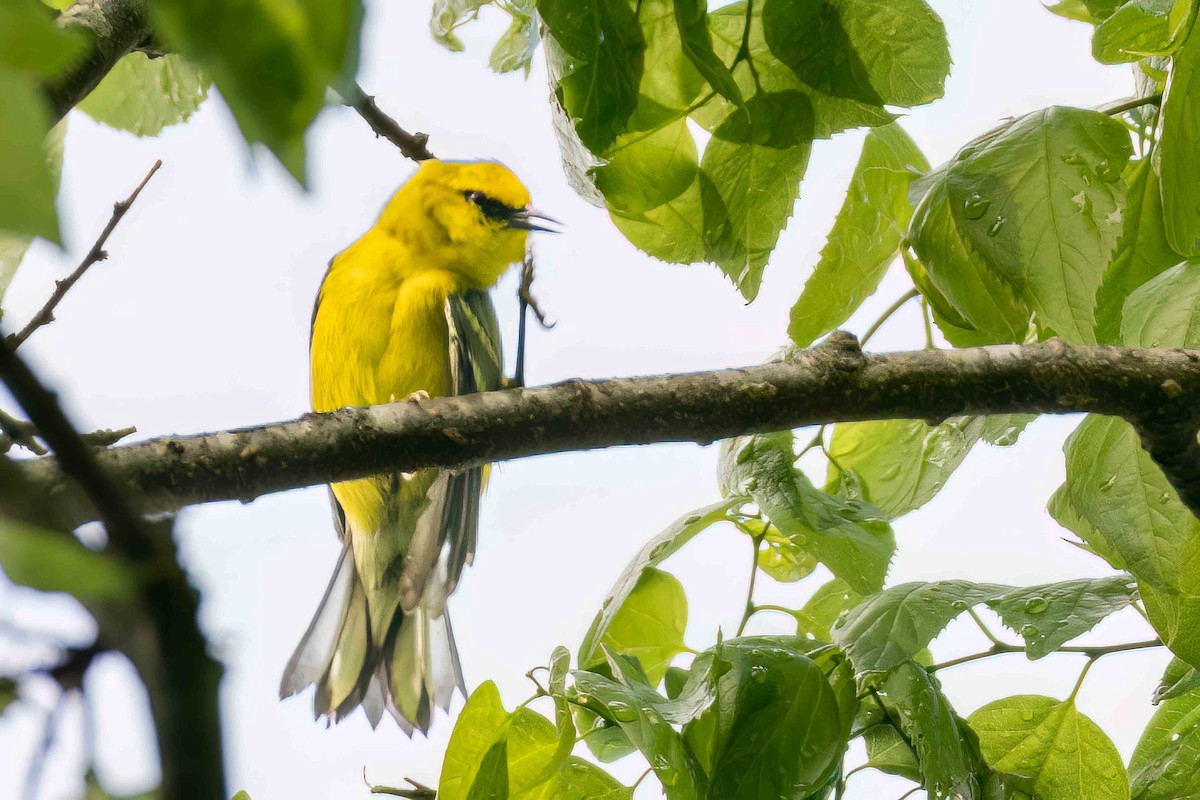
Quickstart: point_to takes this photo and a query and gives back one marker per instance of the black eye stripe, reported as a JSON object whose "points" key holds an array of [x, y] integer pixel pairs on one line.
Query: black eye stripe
{"points": [[492, 208]]}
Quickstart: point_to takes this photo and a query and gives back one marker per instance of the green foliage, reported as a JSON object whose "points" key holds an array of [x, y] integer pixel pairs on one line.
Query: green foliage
{"points": [[1179, 162], [51, 561], [1051, 615], [1166, 762], [1069, 757], [308, 45], [14, 245], [144, 95], [648, 625]]}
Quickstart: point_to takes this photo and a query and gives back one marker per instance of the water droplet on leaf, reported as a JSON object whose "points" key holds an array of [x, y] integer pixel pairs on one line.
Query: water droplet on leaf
{"points": [[1036, 605], [975, 206]]}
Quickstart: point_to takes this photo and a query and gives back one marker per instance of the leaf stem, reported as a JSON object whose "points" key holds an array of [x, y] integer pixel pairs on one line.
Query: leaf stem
{"points": [[1093, 653], [1128, 105], [892, 309], [749, 610], [984, 628], [1082, 674]]}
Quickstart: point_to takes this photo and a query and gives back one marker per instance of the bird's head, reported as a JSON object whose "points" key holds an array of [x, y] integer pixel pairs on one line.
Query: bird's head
{"points": [[471, 218]]}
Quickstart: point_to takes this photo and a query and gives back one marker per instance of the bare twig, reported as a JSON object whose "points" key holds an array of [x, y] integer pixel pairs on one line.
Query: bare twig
{"points": [[419, 791], [45, 314], [106, 437], [412, 145]]}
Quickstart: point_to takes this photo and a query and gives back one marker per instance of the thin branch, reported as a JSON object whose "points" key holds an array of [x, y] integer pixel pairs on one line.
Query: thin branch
{"points": [[412, 145], [755, 543], [1156, 389], [45, 314], [20, 432], [911, 294], [1092, 652], [1121, 106]]}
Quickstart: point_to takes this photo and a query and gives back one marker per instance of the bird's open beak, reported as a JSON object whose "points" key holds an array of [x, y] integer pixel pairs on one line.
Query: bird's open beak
{"points": [[528, 219]]}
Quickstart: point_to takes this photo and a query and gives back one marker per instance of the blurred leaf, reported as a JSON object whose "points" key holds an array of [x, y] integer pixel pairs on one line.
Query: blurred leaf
{"points": [[1164, 311], [1179, 160], [928, 721], [848, 536], [1041, 203], [692, 18], [1119, 502], [1066, 754], [51, 561], [1142, 251], [960, 285], [27, 182], [12, 245], [603, 50], [891, 627], [900, 465], [817, 618], [865, 237], [655, 551], [449, 15], [648, 625], [309, 45], [892, 53], [514, 50], [1166, 762], [30, 42], [753, 164], [144, 95], [1050, 615], [775, 729], [1003, 430], [1141, 28], [8, 693]]}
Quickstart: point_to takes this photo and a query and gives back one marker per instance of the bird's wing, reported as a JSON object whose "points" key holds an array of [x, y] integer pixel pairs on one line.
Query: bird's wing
{"points": [[476, 365]]}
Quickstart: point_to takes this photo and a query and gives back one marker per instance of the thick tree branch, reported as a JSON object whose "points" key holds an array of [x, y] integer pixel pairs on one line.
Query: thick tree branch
{"points": [[1158, 390], [117, 27]]}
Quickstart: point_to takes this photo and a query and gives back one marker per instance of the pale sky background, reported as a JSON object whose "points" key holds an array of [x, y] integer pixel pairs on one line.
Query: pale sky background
{"points": [[199, 321]]}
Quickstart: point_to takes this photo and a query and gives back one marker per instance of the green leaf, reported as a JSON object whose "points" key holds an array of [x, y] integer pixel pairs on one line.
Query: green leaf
{"points": [[27, 183], [1003, 430], [491, 780], [1050, 615], [848, 536], [474, 734], [579, 780], [1142, 252], [144, 95], [753, 166], [1040, 201], [450, 15], [602, 59], [927, 719], [1119, 502], [958, 282], [1066, 754], [900, 464], [514, 50], [1179, 160], [655, 551], [671, 232], [888, 752], [648, 169], [8, 693], [633, 705], [893, 53], [776, 728], [1166, 762], [1141, 28], [865, 237], [648, 625], [1163, 312], [692, 18], [783, 559], [309, 44], [51, 561], [1179, 678], [827, 604], [891, 627], [13, 245], [31, 43]]}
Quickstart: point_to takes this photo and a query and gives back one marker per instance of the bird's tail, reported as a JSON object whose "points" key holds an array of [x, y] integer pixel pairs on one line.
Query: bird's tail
{"points": [[414, 668]]}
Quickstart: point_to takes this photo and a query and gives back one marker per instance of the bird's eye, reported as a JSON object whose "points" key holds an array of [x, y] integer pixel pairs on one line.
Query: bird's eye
{"points": [[476, 197], [491, 208]]}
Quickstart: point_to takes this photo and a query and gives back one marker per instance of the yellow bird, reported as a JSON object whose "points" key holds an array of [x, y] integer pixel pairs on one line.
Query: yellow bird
{"points": [[405, 310]]}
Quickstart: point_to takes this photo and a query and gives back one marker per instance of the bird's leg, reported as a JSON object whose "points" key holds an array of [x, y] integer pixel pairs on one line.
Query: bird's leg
{"points": [[415, 397], [527, 303]]}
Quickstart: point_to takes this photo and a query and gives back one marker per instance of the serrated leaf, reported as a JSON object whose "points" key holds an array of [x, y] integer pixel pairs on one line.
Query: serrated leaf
{"points": [[597, 82], [1166, 762], [892, 53], [691, 16], [893, 626], [888, 752], [865, 237], [753, 166], [52, 561], [900, 465], [1179, 161], [144, 95], [1040, 202], [648, 625], [655, 551], [1142, 251], [1066, 754], [827, 604], [1050, 615], [850, 537]]}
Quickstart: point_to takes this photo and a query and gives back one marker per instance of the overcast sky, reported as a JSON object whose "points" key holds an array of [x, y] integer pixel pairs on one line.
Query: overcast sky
{"points": [[199, 321]]}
